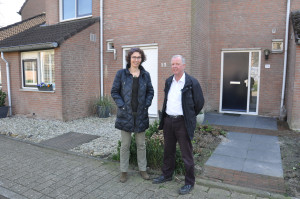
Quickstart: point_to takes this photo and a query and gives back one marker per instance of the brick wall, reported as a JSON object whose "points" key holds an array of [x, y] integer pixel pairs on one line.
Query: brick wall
{"points": [[166, 23], [293, 87], [51, 8], [80, 70], [295, 123], [52, 11], [200, 45], [248, 24], [32, 8], [292, 92], [290, 76]]}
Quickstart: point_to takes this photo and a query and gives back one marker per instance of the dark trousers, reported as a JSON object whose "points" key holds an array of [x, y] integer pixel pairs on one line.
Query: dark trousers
{"points": [[175, 130]]}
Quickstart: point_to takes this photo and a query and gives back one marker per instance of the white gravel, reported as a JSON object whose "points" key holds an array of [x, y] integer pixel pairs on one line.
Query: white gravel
{"points": [[37, 130]]}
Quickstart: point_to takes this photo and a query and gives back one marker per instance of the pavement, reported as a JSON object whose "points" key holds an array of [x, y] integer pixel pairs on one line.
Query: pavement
{"points": [[29, 170]]}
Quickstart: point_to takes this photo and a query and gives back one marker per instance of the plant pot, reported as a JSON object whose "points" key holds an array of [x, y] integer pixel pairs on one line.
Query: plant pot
{"points": [[45, 88], [103, 111], [200, 118], [3, 111]]}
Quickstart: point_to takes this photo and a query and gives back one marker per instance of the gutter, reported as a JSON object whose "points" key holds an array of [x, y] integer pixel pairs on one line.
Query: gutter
{"points": [[101, 48], [282, 108], [39, 46], [8, 83]]}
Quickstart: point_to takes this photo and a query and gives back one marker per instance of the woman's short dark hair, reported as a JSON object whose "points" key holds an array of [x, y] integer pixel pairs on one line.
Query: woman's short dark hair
{"points": [[133, 50]]}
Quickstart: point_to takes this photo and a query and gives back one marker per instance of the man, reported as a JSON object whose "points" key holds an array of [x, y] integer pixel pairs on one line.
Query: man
{"points": [[182, 103]]}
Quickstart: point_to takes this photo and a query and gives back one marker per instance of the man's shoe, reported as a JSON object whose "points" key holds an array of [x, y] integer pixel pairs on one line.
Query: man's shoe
{"points": [[161, 179], [123, 177], [144, 175], [186, 189]]}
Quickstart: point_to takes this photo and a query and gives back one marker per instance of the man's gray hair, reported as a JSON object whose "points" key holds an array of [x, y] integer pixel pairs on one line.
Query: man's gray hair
{"points": [[181, 57]]}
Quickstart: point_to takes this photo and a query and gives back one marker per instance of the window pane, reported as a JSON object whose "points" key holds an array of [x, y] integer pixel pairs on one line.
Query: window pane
{"points": [[30, 72], [84, 7], [69, 9], [254, 81], [47, 67]]}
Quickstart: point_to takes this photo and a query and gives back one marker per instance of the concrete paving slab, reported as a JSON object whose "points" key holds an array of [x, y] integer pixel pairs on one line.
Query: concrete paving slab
{"points": [[239, 136], [236, 143], [265, 139], [262, 152], [266, 123], [263, 168], [264, 156], [226, 162], [248, 121], [268, 147], [231, 151]]}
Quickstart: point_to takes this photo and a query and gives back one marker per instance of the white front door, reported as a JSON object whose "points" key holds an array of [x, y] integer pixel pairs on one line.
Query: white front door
{"points": [[150, 65]]}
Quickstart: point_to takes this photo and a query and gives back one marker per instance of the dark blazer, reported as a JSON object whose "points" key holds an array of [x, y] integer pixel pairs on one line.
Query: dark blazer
{"points": [[192, 102], [121, 92]]}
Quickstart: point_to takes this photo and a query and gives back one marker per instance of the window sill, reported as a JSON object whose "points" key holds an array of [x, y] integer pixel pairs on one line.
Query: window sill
{"points": [[35, 90], [76, 18]]}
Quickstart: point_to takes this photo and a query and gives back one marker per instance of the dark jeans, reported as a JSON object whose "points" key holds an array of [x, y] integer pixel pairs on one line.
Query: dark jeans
{"points": [[175, 130]]}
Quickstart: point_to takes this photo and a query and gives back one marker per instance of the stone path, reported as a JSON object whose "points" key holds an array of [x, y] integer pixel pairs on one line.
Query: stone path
{"points": [[31, 171]]}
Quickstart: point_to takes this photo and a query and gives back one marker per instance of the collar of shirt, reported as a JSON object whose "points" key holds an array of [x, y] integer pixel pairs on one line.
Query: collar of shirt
{"points": [[182, 79]]}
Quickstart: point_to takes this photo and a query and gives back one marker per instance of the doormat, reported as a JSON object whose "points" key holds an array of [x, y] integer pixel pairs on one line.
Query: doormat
{"points": [[69, 140], [232, 114]]}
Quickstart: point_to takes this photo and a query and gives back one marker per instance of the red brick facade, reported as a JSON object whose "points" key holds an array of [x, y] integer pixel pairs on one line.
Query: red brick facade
{"points": [[199, 30], [145, 22]]}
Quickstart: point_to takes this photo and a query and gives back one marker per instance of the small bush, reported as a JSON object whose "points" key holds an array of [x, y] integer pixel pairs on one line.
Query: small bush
{"points": [[2, 98]]}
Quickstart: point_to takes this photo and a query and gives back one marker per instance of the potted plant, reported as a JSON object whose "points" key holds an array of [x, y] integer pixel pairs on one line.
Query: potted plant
{"points": [[3, 109], [200, 117], [104, 106], [45, 87]]}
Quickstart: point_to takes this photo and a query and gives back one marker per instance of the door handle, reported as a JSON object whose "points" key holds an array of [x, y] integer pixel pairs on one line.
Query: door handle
{"points": [[235, 82]]}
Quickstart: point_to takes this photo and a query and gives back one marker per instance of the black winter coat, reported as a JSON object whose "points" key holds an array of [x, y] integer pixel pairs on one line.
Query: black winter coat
{"points": [[121, 92], [192, 102]]}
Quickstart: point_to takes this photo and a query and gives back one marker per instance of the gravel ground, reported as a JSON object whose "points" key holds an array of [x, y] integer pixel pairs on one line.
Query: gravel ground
{"points": [[36, 130]]}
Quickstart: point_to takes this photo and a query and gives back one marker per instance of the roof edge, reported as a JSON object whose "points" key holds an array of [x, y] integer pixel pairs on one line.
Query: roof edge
{"points": [[40, 46], [20, 22], [20, 11]]}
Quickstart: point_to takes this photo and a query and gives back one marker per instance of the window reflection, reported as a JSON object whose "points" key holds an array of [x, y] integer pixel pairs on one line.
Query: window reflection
{"points": [[253, 81]]}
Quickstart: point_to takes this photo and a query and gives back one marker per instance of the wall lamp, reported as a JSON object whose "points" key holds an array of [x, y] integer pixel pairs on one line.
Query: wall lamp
{"points": [[267, 53]]}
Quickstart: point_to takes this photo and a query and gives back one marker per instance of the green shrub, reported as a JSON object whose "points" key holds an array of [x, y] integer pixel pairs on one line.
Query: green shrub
{"points": [[2, 98]]}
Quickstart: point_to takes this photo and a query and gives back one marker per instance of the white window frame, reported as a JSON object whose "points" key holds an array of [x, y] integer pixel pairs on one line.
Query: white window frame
{"points": [[235, 50], [35, 55], [76, 17]]}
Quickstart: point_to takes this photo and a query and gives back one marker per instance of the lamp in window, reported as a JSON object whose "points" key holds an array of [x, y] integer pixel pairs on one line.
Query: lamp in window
{"points": [[267, 53]]}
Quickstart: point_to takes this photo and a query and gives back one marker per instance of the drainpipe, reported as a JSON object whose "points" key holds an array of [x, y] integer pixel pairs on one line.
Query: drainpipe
{"points": [[282, 109], [8, 83], [101, 48]]}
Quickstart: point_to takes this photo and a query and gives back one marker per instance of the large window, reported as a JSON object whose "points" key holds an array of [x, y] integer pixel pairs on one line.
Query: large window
{"points": [[37, 67], [72, 9]]}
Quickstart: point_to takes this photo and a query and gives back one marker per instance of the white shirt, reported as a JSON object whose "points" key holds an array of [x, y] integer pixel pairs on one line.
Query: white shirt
{"points": [[174, 106]]}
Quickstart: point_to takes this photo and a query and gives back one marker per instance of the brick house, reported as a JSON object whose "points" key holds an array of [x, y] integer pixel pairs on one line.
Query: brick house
{"points": [[224, 43]]}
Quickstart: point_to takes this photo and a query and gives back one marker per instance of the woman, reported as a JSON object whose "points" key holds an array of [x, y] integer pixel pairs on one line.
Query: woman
{"points": [[133, 93]]}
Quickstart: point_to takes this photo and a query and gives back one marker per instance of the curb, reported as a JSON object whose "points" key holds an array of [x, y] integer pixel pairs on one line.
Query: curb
{"points": [[243, 190]]}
